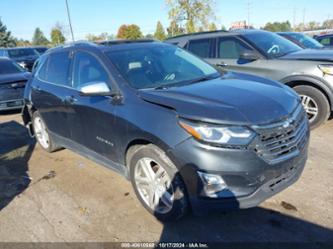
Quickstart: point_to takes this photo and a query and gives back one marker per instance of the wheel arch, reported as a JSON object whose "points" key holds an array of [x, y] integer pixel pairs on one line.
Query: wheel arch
{"points": [[313, 82]]}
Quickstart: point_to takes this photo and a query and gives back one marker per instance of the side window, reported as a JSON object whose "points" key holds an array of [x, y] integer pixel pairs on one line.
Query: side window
{"points": [[325, 41], [88, 69], [231, 48], [56, 69], [201, 48]]}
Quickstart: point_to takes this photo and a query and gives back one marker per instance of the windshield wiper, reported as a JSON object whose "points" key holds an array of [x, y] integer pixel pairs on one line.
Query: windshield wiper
{"points": [[188, 82]]}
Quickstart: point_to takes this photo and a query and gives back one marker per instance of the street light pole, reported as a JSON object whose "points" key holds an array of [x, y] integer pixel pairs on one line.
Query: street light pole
{"points": [[69, 20]]}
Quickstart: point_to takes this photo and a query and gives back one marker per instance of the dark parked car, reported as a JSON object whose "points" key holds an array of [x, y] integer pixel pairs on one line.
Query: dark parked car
{"points": [[302, 40], [40, 49], [12, 82], [184, 134], [24, 56], [325, 40], [308, 71]]}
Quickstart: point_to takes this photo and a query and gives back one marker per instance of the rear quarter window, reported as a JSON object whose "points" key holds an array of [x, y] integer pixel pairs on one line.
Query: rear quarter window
{"points": [[201, 47]]}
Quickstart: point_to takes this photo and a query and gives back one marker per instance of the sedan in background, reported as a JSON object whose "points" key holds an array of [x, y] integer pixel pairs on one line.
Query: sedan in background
{"points": [[25, 57], [302, 40], [12, 82]]}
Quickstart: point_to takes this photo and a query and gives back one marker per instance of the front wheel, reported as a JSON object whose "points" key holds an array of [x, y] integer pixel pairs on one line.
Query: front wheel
{"points": [[315, 105], [157, 183]]}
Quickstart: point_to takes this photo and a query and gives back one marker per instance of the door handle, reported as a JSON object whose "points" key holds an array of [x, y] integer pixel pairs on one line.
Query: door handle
{"points": [[222, 64], [70, 100]]}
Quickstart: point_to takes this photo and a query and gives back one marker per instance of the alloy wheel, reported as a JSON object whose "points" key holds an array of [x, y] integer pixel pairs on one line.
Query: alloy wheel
{"points": [[41, 132], [310, 106], [154, 185]]}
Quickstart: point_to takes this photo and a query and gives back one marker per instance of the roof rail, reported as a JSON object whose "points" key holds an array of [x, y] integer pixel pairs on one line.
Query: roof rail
{"points": [[198, 33], [116, 42]]}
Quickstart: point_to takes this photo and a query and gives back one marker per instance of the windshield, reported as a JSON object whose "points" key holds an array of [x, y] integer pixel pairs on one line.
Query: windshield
{"points": [[22, 52], [153, 66], [306, 41], [9, 67], [272, 45]]}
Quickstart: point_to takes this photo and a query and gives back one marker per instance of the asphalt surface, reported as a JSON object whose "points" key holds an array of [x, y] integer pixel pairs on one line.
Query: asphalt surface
{"points": [[65, 197]]}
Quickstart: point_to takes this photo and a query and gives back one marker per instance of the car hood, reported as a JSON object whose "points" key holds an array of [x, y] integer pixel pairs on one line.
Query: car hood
{"points": [[231, 99], [311, 54], [8, 78]]}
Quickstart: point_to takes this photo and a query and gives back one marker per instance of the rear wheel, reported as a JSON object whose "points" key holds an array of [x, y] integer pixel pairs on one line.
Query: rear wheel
{"points": [[42, 134], [157, 183], [315, 105]]}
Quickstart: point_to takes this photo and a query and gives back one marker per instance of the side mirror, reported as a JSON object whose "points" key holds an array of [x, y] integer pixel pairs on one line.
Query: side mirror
{"points": [[95, 89], [249, 55]]}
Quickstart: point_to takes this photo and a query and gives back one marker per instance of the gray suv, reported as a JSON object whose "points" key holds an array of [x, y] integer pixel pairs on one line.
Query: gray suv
{"points": [[308, 72]]}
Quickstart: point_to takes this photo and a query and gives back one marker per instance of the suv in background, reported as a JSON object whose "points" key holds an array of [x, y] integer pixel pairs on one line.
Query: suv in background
{"points": [[184, 134], [25, 56], [302, 40], [308, 71]]}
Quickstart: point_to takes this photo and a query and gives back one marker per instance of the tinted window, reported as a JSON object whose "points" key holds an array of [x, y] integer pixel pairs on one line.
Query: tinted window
{"points": [[21, 52], [56, 69], [200, 47], [88, 69], [231, 48], [9, 67], [305, 40], [154, 65], [327, 41]]}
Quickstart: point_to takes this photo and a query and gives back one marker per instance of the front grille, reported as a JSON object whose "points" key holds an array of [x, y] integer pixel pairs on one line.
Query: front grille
{"points": [[283, 140]]}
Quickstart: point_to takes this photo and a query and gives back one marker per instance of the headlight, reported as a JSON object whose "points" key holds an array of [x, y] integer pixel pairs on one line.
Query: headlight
{"points": [[222, 135], [326, 68]]}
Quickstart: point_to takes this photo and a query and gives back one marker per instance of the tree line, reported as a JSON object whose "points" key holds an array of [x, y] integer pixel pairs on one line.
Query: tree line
{"points": [[185, 16]]}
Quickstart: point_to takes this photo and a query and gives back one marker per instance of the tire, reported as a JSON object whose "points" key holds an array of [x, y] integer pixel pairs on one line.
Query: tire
{"points": [[45, 142], [316, 99], [155, 159]]}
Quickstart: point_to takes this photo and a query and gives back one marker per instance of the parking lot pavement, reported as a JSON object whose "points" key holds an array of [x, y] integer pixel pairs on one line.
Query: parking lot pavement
{"points": [[65, 197]]}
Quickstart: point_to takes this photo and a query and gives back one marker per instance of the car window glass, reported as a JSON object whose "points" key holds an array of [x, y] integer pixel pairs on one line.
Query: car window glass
{"points": [[9, 67], [2, 53], [325, 41], [88, 69], [200, 47], [231, 48], [56, 69]]}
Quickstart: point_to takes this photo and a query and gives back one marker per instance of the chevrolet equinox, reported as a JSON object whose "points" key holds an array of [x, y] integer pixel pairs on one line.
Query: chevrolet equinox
{"points": [[186, 135]]}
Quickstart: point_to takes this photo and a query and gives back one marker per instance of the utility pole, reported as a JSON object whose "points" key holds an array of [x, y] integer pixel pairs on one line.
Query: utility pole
{"points": [[294, 19], [248, 13], [69, 21], [304, 19]]}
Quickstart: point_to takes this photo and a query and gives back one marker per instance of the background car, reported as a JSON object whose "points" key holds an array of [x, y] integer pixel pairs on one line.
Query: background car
{"points": [[325, 40], [12, 82], [302, 40], [308, 71], [24, 56]]}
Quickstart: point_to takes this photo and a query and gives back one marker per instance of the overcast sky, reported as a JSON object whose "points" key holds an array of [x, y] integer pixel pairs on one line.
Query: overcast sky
{"points": [[97, 16]]}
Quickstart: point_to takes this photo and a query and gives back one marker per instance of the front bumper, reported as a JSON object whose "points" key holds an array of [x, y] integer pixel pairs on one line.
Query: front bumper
{"points": [[249, 179]]}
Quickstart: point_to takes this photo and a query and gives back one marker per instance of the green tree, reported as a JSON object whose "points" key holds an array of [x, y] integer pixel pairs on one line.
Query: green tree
{"points": [[212, 27], [129, 32], [6, 39], [39, 38], [23, 43], [192, 13], [160, 32], [175, 29], [328, 24], [57, 36], [278, 26]]}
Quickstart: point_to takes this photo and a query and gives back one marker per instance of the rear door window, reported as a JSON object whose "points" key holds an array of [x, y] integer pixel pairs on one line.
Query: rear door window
{"points": [[56, 69], [231, 48], [201, 47]]}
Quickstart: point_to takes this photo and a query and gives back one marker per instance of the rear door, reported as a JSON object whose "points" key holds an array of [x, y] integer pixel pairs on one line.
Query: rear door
{"points": [[92, 121], [49, 91]]}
